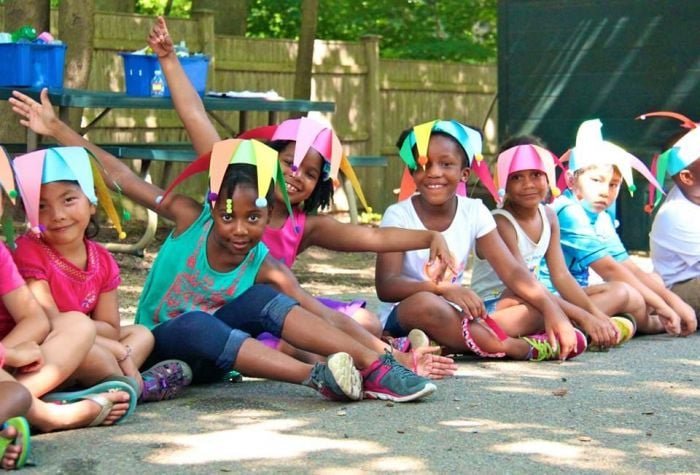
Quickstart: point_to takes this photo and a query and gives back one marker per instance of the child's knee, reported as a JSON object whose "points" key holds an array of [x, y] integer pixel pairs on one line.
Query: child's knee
{"points": [[78, 326], [425, 310]]}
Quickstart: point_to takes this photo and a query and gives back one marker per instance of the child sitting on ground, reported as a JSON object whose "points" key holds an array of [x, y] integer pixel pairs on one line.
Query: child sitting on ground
{"points": [[589, 238], [525, 174], [68, 272], [438, 154], [675, 233], [15, 401], [24, 326], [205, 307], [310, 155]]}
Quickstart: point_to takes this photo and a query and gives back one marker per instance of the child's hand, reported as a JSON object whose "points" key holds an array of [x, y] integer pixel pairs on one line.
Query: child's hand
{"points": [[468, 302], [26, 357], [670, 320], [159, 39], [560, 333], [689, 321], [602, 331], [440, 250], [40, 118]]}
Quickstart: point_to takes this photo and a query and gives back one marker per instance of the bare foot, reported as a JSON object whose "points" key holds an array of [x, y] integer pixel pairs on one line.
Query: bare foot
{"points": [[82, 413], [12, 452]]}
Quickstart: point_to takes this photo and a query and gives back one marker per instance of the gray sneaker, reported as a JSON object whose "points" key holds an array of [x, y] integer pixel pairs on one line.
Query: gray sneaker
{"points": [[388, 380], [337, 379]]}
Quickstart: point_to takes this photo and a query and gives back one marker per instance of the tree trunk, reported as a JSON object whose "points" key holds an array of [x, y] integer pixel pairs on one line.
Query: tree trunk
{"points": [[305, 53], [76, 24], [122, 6], [231, 15], [19, 13]]}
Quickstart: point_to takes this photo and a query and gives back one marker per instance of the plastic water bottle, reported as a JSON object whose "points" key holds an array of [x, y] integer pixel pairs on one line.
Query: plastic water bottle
{"points": [[158, 84]]}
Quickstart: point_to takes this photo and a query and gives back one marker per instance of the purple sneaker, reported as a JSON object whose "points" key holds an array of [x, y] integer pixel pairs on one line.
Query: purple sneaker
{"points": [[388, 380], [165, 380]]}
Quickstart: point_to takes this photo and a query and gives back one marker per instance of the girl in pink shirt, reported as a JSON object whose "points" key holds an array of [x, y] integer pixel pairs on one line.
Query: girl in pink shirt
{"points": [[69, 273]]}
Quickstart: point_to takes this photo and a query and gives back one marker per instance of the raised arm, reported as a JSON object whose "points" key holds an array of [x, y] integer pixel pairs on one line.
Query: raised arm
{"points": [[41, 118], [188, 104]]}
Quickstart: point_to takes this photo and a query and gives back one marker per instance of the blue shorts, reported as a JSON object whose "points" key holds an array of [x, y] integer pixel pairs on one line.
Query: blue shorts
{"points": [[210, 343]]}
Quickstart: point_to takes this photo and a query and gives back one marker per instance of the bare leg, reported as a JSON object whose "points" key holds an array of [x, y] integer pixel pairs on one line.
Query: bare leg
{"points": [[141, 341], [71, 337]]}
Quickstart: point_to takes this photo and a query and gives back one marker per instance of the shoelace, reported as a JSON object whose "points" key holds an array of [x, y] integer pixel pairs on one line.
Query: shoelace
{"points": [[544, 349], [401, 370]]}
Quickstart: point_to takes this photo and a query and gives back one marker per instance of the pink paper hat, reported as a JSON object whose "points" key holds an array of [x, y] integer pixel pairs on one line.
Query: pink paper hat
{"points": [[525, 157], [591, 149], [419, 137], [232, 151], [57, 164], [308, 133], [684, 152]]}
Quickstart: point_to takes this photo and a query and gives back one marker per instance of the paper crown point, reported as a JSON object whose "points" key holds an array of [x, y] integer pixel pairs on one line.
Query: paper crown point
{"points": [[501, 192], [122, 235], [422, 160], [336, 183], [126, 216], [632, 187], [478, 157], [647, 207], [261, 202], [12, 194], [555, 191], [211, 196], [295, 168]]}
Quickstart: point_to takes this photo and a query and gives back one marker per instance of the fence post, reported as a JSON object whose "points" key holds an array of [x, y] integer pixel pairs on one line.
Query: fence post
{"points": [[207, 39], [374, 110]]}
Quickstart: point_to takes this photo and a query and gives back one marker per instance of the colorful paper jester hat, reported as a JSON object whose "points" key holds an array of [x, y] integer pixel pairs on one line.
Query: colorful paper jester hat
{"points": [[591, 149], [232, 151], [57, 164], [684, 152], [308, 133], [525, 157], [7, 185], [419, 137]]}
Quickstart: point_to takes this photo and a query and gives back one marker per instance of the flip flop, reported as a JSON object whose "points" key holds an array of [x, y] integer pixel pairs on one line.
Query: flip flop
{"points": [[93, 395], [124, 379], [23, 436]]}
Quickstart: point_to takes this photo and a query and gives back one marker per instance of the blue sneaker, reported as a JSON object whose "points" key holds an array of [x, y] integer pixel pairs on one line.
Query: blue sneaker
{"points": [[388, 380], [337, 379]]}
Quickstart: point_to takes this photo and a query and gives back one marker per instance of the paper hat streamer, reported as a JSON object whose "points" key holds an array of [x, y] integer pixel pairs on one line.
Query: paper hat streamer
{"points": [[7, 186], [684, 152], [308, 133], [62, 163], [233, 151], [525, 157], [419, 137], [591, 149]]}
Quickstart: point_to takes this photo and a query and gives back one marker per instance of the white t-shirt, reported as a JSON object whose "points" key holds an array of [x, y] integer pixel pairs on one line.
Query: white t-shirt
{"points": [[675, 239], [485, 281], [472, 220]]}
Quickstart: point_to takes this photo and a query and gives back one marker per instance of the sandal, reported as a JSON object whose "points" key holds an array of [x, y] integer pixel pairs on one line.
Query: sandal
{"points": [[23, 437], [93, 394]]}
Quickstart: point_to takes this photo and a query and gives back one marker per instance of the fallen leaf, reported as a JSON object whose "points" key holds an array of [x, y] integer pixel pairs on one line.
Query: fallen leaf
{"points": [[584, 438], [648, 413], [560, 392]]}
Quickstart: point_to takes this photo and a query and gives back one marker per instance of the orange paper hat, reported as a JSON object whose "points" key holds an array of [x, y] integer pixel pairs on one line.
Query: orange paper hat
{"points": [[419, 137], [231, 151], [525, 157], [56, 164]]}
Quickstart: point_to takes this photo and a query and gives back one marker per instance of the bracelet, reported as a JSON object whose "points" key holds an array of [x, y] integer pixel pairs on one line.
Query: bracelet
{"points": [[126, 356]]}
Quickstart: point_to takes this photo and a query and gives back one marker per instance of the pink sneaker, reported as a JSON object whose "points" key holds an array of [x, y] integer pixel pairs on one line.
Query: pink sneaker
{"points": [[541, 350]]}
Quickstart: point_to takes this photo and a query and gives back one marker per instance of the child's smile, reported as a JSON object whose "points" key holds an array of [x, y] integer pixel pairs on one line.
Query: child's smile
{"points": [[526, 187], [300, 184], [64, 212], [444, 170]]}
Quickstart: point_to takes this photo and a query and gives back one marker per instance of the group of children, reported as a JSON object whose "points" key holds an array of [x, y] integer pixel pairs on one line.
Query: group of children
{"points": [[221, 295]]}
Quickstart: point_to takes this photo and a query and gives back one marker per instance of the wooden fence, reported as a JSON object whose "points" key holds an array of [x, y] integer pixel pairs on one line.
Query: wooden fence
{"points": [[375, 98]]}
